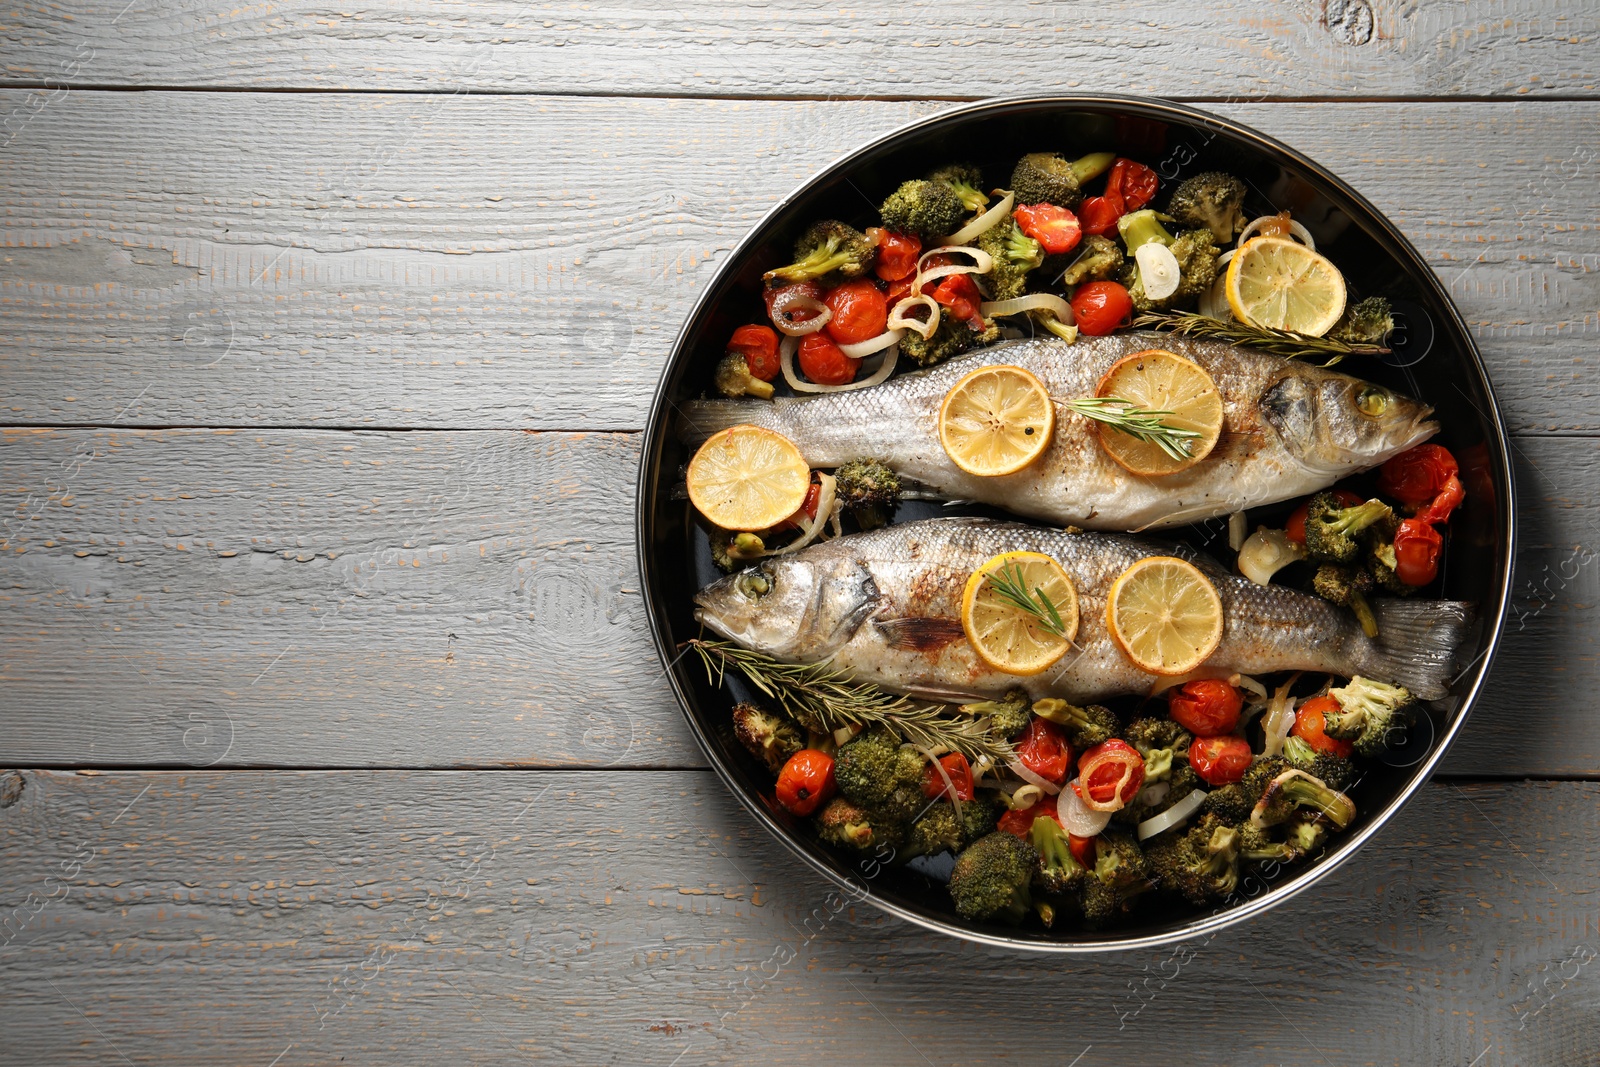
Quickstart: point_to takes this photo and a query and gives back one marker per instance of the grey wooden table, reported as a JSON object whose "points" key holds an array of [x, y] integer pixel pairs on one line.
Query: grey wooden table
{"points": [[326, 333]]}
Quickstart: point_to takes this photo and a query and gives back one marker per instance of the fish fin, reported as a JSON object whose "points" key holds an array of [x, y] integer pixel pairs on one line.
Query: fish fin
{"points": [[1416, 644], [920, 633], [699, 419]]}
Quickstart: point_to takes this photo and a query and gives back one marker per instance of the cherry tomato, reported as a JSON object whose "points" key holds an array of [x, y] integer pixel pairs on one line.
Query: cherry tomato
{"points": [[960, 772], [1101, 307], [1220, 760], [811, 289], [897, 254], [1082, 849], [1020, 822], [859, 312], [1045, 751], [822, 361], [1054, 227], [759, 346], [1109, 774], [1416, 551], [1417, 475], [1099, 214], [1308, 726], [960, 294], [1449, 497], [807, 509], [1134, 182], [806, 781], [1295, 528], [1277, 227], [1205, 706], [935, 261]]}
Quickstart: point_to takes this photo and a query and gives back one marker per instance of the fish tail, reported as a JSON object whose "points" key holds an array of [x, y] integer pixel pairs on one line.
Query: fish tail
{"points": [[699, 419], [1416, 644]]}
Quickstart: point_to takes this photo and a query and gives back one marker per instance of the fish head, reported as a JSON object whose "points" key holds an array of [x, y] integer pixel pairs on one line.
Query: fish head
{"points": [[793, 608], [1334, 424]]}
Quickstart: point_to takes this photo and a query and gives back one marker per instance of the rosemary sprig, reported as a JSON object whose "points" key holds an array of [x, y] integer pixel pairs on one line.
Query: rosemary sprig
{"points": [[1142, 423], [1284, 343], [1008, 584], [824, 698]]}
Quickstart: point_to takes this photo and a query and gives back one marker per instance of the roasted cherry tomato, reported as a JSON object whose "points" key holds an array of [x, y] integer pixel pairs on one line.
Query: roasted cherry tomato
{"points": [[1308, 726], [1205, 706], [1416, 552], [1417, 475], [1220, 760], [897, 254], [1054, 227], [1134, 182], [806, 781], [1101, 307], [1295, 528], [1044, 750], [823, 362], [1099, 214], [1082, 849], [859, 312], [759, 346], [1020, 822], [960, 294], [1109, 775], [1442, 505], [794, 315], [960, 772]]}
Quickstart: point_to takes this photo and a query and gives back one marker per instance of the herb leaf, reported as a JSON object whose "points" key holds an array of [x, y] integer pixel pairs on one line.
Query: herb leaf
{"points": [[1142, 423]]}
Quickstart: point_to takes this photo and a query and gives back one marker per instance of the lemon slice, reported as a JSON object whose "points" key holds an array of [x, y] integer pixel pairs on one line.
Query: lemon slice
{"points": [[1006, 637], [996, 420], [748, 478], [1283, 285], [1157, 380], [1164, 615]]}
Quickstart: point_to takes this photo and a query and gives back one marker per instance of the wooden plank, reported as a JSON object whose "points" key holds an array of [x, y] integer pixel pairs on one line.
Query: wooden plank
{"points": [[475, 262], [469, 599], [787, 47], [393, 917]]}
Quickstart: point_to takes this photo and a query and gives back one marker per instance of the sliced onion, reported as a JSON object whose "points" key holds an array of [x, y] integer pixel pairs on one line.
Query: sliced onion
{"points": [[845, 734], [983, 223], [810, 528], [863, 349], [1022, 797], [982, 263], [784, 303], [1031, 302], [1237, 529], [1244, 681], [1172, 681], [1129, 768], [786, 350], [1280, 717], [1214, 301], [1301, 234], [1017, 768], [1154, 793], [898, 319], [950, 787], [1266, 552], [1173, 816], [1077, 818], [1159, 272]]}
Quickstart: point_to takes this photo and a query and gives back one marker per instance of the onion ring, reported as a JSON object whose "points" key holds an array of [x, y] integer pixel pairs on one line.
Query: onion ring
{"points": [[899, 320], [1172, 816], [1017, 768], [786, 350], [863, 349], [1031, 302], [1301, 234], [983, 223], [784, 303], [1078, 819]]}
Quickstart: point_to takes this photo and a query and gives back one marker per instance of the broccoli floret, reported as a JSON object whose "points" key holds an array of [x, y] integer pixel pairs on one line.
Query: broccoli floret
{"points": [[1293, 790], [925, 208], [933, 832], [979, 815], [1347, 587], [1160, 742], [1103, 904], [966, 181], [1202, 864], [1059, 871], [828, 247], [1014, 254], [1368, 710], [770, 736], [990, 879], [1008, 716], [1263, 769], [1367, 322], [869, 490], [733, 378], [1085, 727], [1231, 803], [951, 338], [1334, 770], [1119, 862], [1195, 251], [1331, 528], [849, 826], [1379, 559], [1305, 834], [1181, 781], [875, 772], [1097, 258], [1212, 201], [1045, 178]]}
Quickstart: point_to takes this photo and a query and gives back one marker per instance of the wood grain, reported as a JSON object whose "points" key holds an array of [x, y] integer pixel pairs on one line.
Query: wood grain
{"points": [[787, 47], [303, 598], [457, 261], [401, 917]]}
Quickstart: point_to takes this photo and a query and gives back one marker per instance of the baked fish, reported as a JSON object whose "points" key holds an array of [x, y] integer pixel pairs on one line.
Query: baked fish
{"points": [[1289, 429], [886, 607]]}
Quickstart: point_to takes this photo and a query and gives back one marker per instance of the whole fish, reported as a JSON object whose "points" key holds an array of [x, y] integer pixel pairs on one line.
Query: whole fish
{"points": [[886, 607], [1289, 429]]}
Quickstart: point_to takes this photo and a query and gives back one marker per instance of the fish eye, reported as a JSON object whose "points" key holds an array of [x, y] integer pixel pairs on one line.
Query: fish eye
{"points": [[1372, 401], [753, 584]]}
